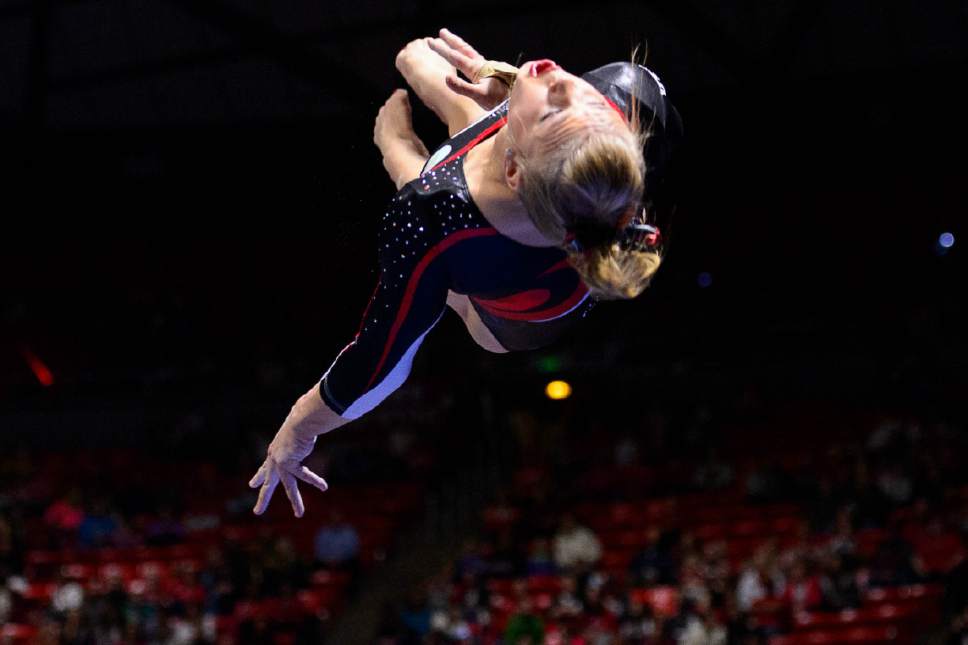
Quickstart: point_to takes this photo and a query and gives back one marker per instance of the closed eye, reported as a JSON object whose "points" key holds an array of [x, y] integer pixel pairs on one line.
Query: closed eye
{"points": [[550, 114]]}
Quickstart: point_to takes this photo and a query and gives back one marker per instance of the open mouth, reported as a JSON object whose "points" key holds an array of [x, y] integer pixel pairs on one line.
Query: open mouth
{"points": [[539, 67]]}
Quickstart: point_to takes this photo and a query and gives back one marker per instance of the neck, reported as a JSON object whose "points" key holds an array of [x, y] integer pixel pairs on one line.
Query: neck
{"points": [[484, 169]]}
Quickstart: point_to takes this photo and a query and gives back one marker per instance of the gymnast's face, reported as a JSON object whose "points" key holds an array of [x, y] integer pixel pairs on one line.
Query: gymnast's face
{"points": [[548, 105]]}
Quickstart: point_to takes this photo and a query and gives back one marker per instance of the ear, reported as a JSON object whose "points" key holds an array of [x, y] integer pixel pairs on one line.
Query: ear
{"points": [[512, 170]]}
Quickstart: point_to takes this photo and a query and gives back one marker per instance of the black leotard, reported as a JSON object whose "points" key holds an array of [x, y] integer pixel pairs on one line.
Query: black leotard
{"points": [[433, 239]]}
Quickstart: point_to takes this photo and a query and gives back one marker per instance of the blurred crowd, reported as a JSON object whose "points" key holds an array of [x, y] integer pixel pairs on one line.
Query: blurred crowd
{"points": [[885, 509], [122, 546]]}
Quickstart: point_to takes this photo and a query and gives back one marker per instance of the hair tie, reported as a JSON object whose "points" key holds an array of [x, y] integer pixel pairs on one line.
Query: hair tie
{"points": [[632, 234], [639, 236]]}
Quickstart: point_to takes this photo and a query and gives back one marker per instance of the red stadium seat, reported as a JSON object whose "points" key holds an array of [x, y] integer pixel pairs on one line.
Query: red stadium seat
{"points": [[121, 570], [750, 528], [659, 509], [40, 592], [330, 578], [43, 563], [624, 515], [851, 636], [877, 615], [542, 600], [78, 571], [617, 559], [940, 553], [710, 532], [545, 584], [320, 599], [17, 633], [663, 600], [628, 539], [868, 541], [151, 568], [497, 517], [785, 525], [927, 593], [501, 603]]}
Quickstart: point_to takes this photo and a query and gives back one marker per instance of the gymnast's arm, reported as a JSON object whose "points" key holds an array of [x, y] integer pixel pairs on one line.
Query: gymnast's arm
{"points": [[410, 297], [426, 72], [404, 154]]}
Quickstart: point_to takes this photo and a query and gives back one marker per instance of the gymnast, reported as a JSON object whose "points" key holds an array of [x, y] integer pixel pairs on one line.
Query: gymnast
{"points": [[531, 212]]}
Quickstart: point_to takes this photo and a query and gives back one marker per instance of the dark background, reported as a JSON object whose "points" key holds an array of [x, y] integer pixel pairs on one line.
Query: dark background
{"points": [[194, 191]]}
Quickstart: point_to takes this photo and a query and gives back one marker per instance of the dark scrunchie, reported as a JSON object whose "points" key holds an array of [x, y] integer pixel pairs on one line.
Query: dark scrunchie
{"points": [[636, 236]]}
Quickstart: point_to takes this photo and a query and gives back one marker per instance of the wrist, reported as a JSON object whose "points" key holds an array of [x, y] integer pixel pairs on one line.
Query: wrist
{"points": [[311, 416]]}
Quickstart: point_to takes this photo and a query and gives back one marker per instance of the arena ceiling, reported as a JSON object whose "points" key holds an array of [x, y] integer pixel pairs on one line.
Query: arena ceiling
{"points": [[69, 64]]}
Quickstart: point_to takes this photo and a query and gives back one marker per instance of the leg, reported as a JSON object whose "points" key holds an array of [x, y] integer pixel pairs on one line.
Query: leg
{"points": [[478, 330]]}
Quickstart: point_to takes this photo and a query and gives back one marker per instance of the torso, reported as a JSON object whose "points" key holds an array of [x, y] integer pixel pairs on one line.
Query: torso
{"points": [[526, 294]]}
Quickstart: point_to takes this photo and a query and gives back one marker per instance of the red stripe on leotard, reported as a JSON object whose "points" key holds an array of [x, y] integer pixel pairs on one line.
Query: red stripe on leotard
{"points": [[414, 280], [473, 142]]}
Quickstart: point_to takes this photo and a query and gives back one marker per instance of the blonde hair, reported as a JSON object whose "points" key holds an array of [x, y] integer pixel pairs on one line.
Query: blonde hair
{"points": [[590, 186]]}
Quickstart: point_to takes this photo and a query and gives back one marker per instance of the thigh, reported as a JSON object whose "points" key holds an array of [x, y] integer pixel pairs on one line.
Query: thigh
{"points": [[475, 326]]}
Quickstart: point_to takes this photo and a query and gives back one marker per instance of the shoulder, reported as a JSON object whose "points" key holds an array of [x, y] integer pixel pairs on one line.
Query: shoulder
{"points": [[455, 144]]}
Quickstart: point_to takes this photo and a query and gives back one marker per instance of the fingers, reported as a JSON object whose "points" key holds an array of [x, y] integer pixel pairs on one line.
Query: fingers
{"points": [[465, 64], [310, 477], [265, 493], [458, 43], [260, 476], [292, 492]]}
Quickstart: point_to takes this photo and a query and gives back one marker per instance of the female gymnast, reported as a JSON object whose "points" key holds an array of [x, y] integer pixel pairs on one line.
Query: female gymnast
{"points": [[531, 212]]}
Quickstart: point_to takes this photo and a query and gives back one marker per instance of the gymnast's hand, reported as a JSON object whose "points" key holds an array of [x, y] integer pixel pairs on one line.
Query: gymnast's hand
{"points": [[394, 125], [292, 444], [488, 92]]}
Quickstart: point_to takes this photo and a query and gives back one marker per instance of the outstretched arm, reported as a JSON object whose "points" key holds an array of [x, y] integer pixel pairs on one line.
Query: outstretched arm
{"points": [[409, 299]]}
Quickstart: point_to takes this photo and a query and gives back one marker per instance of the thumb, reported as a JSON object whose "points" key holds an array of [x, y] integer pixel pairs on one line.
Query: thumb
{"points": [[462, 87]]}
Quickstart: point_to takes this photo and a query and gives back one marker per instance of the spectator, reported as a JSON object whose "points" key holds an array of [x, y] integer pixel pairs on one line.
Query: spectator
{"points": [[506, 560], [653, 565], [895, 563], [337, 544], [843, 541], [714, 473], [164, 529], [637, 625], [760, 579], [599, 623], [451, 624], [98, 528], [416, 615], [802, 591], [576, 548], [471, 561], [568, 604], [64, 517], [702, 629], [283, 567], [68, 595], [627, 450], [540, 562], [524, 627], [839, 583]]}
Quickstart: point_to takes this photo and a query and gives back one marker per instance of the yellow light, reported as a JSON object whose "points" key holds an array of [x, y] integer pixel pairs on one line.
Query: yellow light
{"points": [[558, 390]]}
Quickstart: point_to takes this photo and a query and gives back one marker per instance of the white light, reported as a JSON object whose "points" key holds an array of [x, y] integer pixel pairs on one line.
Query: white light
{"points": [[946, 240]]}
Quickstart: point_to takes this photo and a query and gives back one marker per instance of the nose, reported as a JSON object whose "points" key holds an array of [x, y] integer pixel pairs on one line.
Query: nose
{"points": [[561, 91]]}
